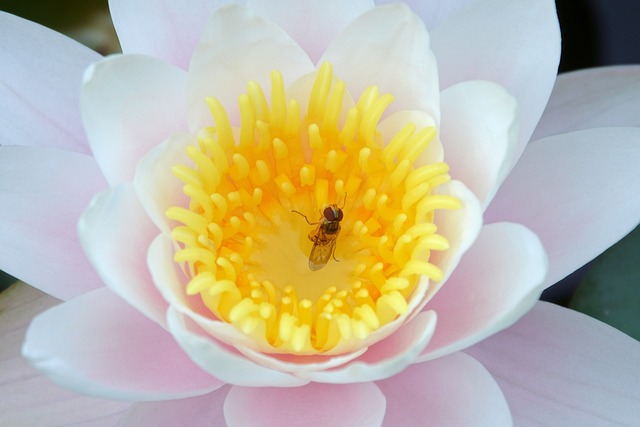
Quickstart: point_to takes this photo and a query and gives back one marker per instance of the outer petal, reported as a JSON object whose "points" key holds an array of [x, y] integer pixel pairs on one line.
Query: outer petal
{"points": [[170, 30], [479, 133], [452, 391], [130, 104], [513, 42], [29, 399], [221, 360], [385, 358], [388, 46], [39, 91], [106, 230], [98, 345], [222, 70], [560, 367], [432, 12], [498, 280], [577, 192], [42, 193], [592, 98], [199, 411], [349, 405], [313, 25]]}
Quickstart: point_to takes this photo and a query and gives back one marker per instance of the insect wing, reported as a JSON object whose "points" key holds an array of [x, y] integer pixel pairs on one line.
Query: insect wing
{"points": [[320, 253]]}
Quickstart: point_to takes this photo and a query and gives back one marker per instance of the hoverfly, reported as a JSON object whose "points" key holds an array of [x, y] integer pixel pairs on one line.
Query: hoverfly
{"points": [[325, 236]]}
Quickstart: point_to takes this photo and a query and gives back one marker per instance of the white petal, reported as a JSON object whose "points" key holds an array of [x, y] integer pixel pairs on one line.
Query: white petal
{"points": [[578, 192], [43, 191], [168, 30], [453, 391], [28, 398], [234, 42], [222, 361], [40, 72], [515, 43], [560, 367], [313, 25], [479, 135], [598, 97], [116, 234], [388, 47], [497, 281], [130, 104], [385, 358]]}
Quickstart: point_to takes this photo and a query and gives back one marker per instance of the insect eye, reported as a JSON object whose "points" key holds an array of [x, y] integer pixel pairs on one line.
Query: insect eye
{"points": [[340, 215], [329, 214]]}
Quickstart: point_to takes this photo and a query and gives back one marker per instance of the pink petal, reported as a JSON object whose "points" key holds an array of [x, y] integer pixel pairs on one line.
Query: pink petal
{"points": [[451, 391], [388, 46], [560, 367], [40, 72], [223, 361], [432, 12], [199, 411], [97, 344], [479, 134], [512, 42], [598, 97], [384, 358], [498, 280], [349, 405], [42, 193], [130, 104], [28, 398], [577, 192], [116, 234], [313, 25], [223, 69], [168, 30]]}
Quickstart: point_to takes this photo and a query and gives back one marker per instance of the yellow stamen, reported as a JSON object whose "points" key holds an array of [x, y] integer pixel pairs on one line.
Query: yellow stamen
{"points": [[246, 252]]}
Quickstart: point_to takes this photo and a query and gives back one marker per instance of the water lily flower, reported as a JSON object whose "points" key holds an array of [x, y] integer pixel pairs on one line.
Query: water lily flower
{"points": [[315, 213]]}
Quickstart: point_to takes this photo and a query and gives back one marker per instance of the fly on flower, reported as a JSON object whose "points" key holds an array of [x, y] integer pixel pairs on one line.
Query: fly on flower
{"points": [[325, 236]]}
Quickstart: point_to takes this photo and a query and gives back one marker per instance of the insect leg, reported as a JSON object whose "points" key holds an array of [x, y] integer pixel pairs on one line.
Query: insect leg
{"points": [[305, 217]]}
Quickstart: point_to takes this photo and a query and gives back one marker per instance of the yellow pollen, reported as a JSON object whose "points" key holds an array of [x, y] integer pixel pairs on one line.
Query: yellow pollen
{"points": [[259, 237]]}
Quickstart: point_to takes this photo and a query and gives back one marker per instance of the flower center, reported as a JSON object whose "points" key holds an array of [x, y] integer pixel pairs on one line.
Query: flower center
{"points": [[308, 233]]}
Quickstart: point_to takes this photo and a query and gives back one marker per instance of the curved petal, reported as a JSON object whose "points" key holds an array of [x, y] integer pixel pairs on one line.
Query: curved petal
{"points": [[199, 411], [498, 280], [39, 91], [116, 234], [170, 29], [451, 391], [313, 25], [560, 367], [157, 188], [30, 399], [515, 43], [479, 134], [42, 194], [388, 46], [222, 70], [130, 104], [96, 344], [221, 360], [432, 12], [353, 405], [597, 97], [577, 192], [384, 358]]}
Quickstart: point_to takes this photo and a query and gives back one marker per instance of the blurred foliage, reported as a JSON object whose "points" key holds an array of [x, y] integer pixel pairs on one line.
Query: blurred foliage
{"points": [[610, 291], [86, 21]]}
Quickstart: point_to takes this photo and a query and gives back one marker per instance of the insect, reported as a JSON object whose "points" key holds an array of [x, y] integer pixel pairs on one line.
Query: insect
{"points": [[325, 236]]}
